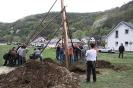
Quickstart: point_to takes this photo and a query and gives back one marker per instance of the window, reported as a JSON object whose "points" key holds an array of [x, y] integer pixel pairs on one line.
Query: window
{"points": [[126, 43], [126, 31], [116, 43], [116, 34]]}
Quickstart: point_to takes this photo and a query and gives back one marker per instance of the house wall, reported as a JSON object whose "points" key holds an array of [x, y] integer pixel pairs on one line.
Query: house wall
{"points": [[3, 43], [122, 38]]}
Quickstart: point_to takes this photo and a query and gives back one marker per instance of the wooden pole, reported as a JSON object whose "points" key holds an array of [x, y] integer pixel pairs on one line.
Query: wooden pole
{"points": [[65, 35]]}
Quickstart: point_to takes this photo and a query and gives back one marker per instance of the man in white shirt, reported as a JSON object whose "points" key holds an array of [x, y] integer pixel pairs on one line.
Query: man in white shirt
{"points": [[24, 52], [38, 54], [91, 62], [20, 52]]}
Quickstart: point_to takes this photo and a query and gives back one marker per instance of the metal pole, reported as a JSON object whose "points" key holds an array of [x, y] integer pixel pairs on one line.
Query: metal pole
{"points": [[65, 35]]}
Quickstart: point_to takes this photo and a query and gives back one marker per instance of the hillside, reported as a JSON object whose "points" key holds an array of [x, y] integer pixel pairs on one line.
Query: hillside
{"points": [[97, 23]]}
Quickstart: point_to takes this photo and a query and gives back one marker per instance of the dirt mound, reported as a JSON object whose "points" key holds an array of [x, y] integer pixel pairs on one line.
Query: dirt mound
{"points": [[121, 68], [34, 74], [103, 64], [99, 64], [50, 60]]}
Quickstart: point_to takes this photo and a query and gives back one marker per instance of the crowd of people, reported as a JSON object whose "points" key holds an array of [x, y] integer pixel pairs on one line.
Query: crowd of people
{"points": [[79, 52], [17, 56], [76, 53]]}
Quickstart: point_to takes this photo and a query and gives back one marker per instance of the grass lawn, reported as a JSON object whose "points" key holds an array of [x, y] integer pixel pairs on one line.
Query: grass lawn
{"points": [[5, 48], [107, 79], [110, 78]]}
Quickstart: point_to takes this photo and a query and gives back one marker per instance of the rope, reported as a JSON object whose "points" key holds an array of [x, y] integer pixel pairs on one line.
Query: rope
{"points": [[41, 23], [46, 26]]}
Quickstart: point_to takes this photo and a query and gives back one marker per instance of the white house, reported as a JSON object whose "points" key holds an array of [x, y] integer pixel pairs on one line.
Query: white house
{"points": [[122, 33], [53, 42], [38, 42], [93, 38], [74, 41]]}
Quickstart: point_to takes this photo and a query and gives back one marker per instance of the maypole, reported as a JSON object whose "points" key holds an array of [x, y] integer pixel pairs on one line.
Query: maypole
{"points": [[65, 35]]}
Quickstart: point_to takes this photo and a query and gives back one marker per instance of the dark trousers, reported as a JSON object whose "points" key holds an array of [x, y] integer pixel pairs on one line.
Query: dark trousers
{"points": [[11, 63], [20, 60], [91, 66], [120, 53], [57, 55], [76, 57]]}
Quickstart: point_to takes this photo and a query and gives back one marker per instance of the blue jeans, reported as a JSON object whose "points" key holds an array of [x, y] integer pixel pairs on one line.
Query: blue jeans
{"points": [[61, 58], [84, 58], [38, 55], [20, 60], [57, 55], [76, 56], [72, 58]]}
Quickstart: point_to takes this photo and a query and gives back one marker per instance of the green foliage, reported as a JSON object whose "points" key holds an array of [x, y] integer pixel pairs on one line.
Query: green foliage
{"points": [[97, 23], [17, 39], [9, 38], [78, 34]]}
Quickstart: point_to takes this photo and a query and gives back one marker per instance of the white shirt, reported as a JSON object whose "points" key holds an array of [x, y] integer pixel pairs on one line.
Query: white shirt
{"points": [[91, 55], [20, 51], [37, 52], [24, 51]]}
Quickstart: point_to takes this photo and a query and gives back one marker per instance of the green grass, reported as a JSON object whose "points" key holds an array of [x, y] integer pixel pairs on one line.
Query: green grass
{"points": [[110, 78], [107, 79], [46, 53]]}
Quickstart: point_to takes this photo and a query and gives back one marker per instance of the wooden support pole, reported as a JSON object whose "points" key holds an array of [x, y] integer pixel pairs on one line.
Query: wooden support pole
{"points": [[65, 35]]}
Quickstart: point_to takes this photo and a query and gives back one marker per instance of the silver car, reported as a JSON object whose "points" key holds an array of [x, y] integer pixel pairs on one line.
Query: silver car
{"points": [[107, 50]]}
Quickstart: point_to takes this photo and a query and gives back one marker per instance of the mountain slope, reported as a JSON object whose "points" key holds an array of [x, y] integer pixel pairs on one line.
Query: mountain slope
{"points": [[98, 23]]}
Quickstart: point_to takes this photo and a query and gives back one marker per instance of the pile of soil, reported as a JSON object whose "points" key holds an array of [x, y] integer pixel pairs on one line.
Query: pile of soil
{"points": [[103, 64], [121, 68], [99, 64], [34, 74]]}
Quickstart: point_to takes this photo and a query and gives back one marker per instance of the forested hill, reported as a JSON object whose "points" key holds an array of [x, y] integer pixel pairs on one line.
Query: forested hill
{"points": [[96, 23]]}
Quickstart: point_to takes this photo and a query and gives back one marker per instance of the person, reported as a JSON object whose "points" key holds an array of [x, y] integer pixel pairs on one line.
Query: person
{"points": [[83, 52], [32, 55], [6, 57], [76, 52], [95, 48], [24, 52], [71, 54], [38, 54], [121, 50], [91, 62], [20, 52], [57, 52], [80, 48], [61, 52]]}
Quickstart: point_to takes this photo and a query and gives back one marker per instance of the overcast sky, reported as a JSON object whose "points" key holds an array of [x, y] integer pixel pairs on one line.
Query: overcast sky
{"points": [[12, 10]]}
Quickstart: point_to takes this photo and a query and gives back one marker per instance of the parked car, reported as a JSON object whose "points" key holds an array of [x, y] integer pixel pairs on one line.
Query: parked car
{"points": [[107, 50]]}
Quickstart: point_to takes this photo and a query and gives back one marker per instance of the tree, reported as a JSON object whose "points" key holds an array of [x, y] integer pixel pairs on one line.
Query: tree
{"points": [[9, 38], [23, 39], [17, 39], [78, 34]]}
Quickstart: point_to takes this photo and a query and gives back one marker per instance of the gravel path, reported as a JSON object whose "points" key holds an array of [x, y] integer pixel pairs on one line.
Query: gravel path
{"points": [[5, 69]]}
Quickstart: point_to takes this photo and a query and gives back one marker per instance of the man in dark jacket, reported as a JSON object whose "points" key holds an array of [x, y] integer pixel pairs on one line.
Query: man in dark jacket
{"points": [[6, 57], [121, 50], [57, 52], [76, 52]]}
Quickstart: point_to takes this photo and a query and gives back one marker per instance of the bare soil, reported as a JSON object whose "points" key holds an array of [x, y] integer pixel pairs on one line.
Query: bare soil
{"points": [[49, 74], [34, 74]]}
